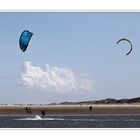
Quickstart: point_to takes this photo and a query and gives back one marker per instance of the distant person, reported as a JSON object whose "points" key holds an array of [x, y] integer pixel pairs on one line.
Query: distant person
{"points": [[28, 110], [43, 113], [90, 108]]}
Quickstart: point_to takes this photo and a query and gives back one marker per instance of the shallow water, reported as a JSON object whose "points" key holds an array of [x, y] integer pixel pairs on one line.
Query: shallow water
{"points": [[78, 121]]}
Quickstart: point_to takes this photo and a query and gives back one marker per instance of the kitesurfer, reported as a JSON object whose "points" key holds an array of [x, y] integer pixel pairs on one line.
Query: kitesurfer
{"points": [[43, 113]]}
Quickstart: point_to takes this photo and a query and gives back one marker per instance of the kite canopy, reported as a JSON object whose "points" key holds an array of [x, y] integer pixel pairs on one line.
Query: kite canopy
{"points": [[24, 40], [125, 39]]}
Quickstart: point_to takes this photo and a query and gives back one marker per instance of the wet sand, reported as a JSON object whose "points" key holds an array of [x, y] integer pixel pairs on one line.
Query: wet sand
{"points": [[70, 109]]}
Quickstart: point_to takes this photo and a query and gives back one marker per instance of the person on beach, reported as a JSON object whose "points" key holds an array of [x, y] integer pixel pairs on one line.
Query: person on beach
{"points": [[28, 110], [90, 108]]}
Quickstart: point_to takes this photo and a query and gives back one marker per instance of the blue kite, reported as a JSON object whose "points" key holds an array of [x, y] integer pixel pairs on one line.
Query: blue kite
{"points": [[24, 40]]}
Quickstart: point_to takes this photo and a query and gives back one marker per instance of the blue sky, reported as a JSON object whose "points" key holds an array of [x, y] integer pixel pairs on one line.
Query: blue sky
{"points": [[81, 43]]}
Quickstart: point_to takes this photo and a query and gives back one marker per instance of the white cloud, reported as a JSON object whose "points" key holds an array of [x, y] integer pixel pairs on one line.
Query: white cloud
{"points": [[53, 79]]}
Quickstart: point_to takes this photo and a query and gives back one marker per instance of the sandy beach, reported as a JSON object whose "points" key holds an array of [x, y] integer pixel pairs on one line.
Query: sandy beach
{"points": [[70, 109]]}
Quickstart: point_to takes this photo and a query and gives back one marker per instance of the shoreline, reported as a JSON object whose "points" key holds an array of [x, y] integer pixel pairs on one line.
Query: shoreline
{"points": [[12, 109]]}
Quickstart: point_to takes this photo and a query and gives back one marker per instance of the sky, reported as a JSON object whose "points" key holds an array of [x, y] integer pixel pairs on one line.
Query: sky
{"points": [[72, 56]]}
